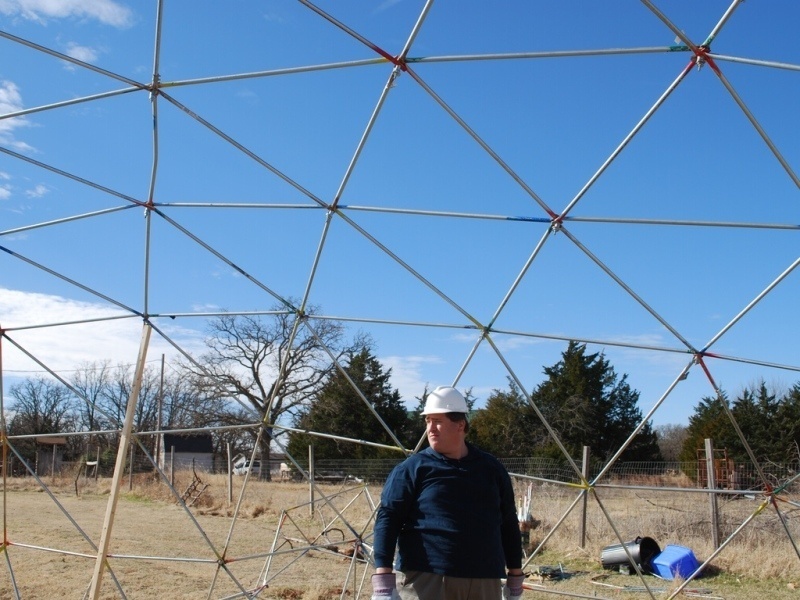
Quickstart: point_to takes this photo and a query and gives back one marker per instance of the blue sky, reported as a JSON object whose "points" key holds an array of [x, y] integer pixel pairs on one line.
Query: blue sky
{"points": [[447, 183]]}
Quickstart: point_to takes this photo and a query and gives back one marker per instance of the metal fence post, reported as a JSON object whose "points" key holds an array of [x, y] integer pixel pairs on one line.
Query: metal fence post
{"points": [[585, 473], [130, 471], [712, 484], [311, 478], [230, 475]]}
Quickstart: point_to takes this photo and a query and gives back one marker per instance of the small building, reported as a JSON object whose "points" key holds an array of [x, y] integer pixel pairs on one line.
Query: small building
{"points": [[49, 454], [186, 450]]}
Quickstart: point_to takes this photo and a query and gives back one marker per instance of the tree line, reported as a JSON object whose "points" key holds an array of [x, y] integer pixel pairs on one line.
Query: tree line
{"points": [[93, 398], [582, 398], [315, 380], [769, 421]]}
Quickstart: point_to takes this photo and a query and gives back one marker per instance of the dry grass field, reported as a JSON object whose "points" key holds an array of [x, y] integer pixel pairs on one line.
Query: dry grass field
{"points": [[270, 540]]}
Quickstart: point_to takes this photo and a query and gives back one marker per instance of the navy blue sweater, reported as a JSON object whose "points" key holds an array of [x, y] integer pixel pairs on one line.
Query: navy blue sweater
{"points": [[451, 517]]}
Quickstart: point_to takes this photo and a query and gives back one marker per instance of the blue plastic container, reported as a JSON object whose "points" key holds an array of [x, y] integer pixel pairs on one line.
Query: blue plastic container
{"points": [[674, 561]]}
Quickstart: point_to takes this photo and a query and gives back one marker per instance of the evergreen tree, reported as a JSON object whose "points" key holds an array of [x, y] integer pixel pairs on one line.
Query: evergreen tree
{"points": [[588, 405], [709, 421], [786, 427], [755, 411], [340, 411], [507, 426], [769, 422]]}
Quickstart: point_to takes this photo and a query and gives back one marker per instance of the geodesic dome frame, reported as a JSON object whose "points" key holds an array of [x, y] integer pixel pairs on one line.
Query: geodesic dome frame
{"points": [[420, 173]]}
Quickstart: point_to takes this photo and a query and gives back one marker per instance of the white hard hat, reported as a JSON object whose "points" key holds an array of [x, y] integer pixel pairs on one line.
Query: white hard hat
{"points": [[445, 399]]}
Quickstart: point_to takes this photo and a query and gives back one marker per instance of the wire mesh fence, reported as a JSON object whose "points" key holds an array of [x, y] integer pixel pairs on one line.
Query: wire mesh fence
{"points": [[656, 474], [691, 474]]}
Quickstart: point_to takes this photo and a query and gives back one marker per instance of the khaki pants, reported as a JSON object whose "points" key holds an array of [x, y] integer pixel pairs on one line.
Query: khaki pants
{"points": [[416, 585]]}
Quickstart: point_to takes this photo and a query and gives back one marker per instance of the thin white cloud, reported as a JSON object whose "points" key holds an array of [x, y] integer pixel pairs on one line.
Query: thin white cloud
{"points": [[273, 18], [107, 12], [385, 5], [5, 188], [510, 343], [248, 96], [638, 356], [83, 53], [407, 374], [62, 346], [10, 102], [201, 308], [37, 191]]}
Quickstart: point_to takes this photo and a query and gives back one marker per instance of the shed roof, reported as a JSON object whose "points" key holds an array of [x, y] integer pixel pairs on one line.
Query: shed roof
{"points": [[52, 440], [196, 442]]}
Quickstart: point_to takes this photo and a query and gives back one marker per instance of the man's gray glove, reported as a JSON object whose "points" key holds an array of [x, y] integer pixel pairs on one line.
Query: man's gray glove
{"points": [[384, 587], [512, 590]]}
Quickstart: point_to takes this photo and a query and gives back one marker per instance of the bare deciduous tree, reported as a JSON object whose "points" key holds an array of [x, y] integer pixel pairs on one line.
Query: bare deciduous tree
{"points": [[39, 405], [257, 361], [670, 440], [90, 381]]}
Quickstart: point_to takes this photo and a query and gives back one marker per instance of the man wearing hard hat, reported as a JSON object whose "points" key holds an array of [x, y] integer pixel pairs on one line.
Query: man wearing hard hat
{"points": [[450, 511]]}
